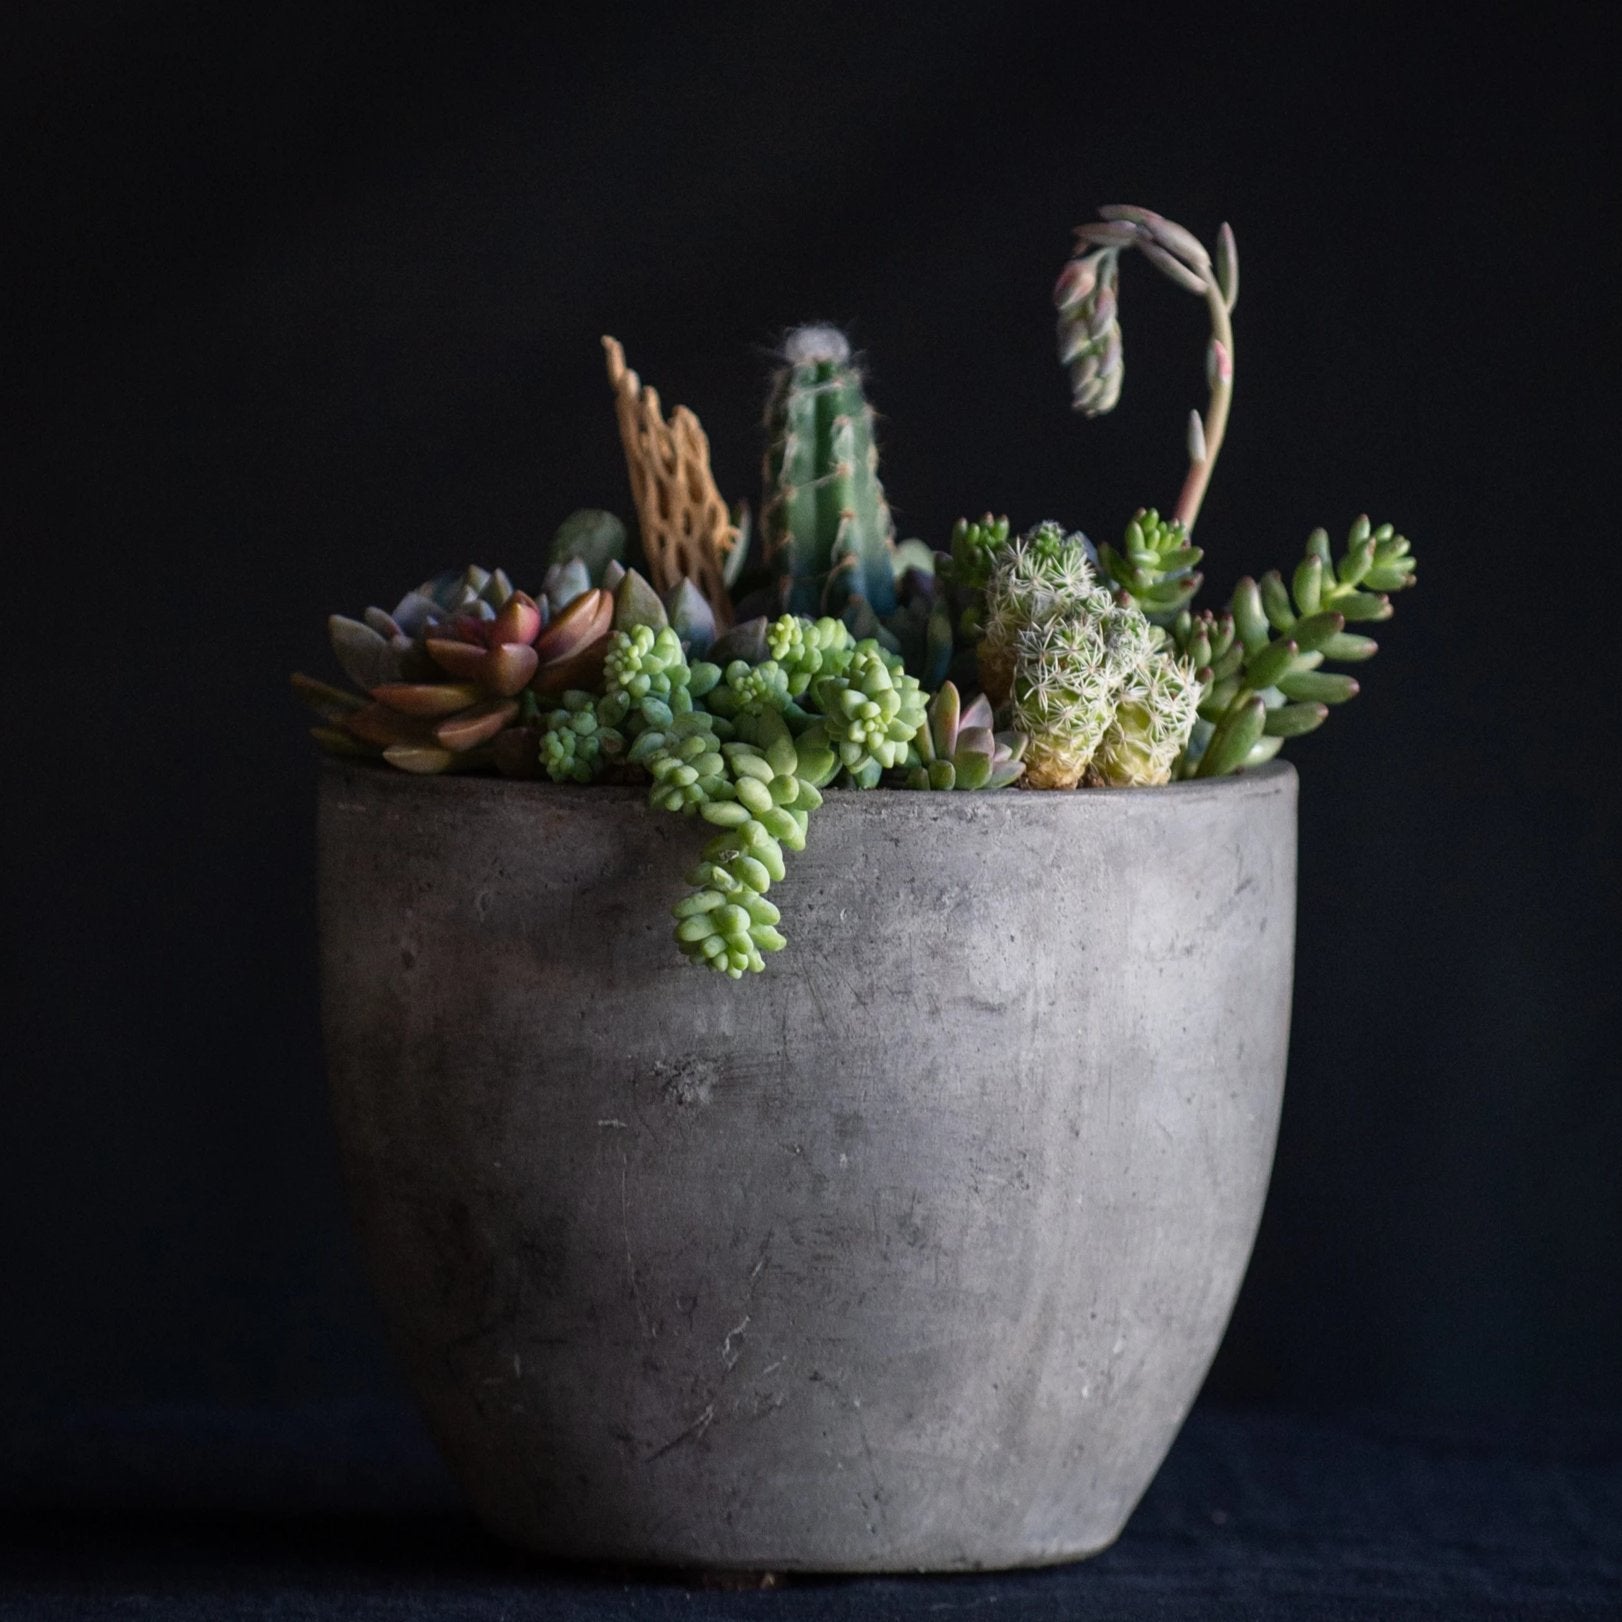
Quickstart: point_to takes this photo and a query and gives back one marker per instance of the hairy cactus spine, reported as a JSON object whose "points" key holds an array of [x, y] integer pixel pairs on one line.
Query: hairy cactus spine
{"points": [[824, 521]]}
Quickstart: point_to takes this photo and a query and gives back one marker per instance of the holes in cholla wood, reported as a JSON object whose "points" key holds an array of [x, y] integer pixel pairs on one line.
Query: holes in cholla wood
{"points": [[686, 529]]}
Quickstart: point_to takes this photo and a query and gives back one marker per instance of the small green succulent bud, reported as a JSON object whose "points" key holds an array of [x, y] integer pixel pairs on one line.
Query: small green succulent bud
{"points": [[754, 697], [686, 765], [975, 547]]}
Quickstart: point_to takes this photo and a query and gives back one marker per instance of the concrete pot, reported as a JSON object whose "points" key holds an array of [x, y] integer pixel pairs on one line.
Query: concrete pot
{"points": [[910, 1253]]}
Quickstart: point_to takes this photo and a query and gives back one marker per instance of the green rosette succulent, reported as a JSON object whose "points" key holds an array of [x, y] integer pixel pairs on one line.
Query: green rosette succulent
{"points": [[1155, 567], [959, 749], [805, 649], [871, 713], [575, 746], [753, 698], [647, 681], [685, 762], [384, 647]]}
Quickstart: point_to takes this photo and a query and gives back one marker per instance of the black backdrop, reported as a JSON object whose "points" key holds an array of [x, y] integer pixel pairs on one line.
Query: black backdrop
{"points": [[309, 302]]}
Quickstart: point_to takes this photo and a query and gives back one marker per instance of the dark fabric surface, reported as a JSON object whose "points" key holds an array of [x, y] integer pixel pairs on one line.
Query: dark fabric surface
{"points": [[345, 1512]]}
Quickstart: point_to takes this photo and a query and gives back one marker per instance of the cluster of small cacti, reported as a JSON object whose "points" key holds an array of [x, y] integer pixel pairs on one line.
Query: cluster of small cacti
{"points": [[849, 659]]}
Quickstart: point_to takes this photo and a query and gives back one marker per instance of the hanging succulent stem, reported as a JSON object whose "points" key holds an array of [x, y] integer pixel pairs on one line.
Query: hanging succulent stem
{"points": [[1090, 335]]}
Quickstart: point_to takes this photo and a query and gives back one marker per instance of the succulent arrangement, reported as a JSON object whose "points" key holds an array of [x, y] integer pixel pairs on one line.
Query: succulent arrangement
{"points": [[738, 677]]}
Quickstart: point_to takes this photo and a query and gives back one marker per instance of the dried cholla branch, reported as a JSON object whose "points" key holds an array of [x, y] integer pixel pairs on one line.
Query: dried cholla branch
{"points": [[686, 530]]}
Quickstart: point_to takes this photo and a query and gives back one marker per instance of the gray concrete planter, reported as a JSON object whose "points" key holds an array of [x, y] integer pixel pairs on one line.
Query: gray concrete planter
{"points": [[910, 1253]]}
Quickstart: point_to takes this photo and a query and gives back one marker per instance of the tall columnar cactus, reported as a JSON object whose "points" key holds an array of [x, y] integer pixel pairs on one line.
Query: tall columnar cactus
{"points": [[824, 521]]}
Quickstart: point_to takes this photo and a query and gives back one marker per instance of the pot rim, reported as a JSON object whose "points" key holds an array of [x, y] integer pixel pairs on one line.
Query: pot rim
{"points": [[472, 784]]}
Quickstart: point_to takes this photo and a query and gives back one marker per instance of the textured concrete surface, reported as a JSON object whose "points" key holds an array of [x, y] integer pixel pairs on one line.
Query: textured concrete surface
{"points": [[910, 1253]]}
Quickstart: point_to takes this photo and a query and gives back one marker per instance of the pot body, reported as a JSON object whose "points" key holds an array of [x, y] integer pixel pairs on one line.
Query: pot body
{"points": [[909, 1253]]}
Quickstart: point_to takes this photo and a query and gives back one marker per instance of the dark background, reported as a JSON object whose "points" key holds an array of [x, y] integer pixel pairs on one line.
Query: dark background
{"points": [[308, 306]]}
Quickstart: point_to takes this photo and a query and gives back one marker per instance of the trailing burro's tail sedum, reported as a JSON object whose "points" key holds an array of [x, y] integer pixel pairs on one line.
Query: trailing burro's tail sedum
{"points": [[825, 524]]}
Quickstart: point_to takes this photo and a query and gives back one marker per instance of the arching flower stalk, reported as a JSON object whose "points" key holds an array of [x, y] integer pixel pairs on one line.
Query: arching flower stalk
{"points": [[1090, 330]]}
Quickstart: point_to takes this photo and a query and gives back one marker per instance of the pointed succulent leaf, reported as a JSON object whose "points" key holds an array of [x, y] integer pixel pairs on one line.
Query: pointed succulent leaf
{"points": [[588, 619], [978, 714], [1248, 618], [945, 716], [637, 603], [422, 759], [508, 668], [1275, 660], [1227, 266], [367, 658], [330, 703], [1295, 720], [593, 538], [435, 699], [381, 727], [582, 669], [518, 621], [1318, 686], [1312, 632], [971, 769], [1348, 648], [691, 616], [745, 641], [565, 581], [475, 726], [1276, 603], [463, 661], [1235, 736]]}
